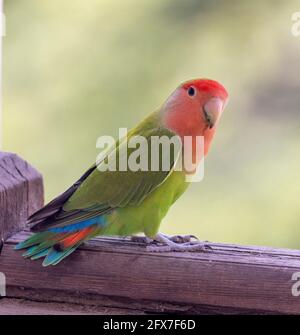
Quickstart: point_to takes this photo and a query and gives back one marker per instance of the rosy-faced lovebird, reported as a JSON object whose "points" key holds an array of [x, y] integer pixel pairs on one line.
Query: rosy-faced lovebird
{"points": [[126, 203]]}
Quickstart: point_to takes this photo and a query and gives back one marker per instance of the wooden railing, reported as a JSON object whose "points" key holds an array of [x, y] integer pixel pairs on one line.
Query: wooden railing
{"points": [[118, 276]]}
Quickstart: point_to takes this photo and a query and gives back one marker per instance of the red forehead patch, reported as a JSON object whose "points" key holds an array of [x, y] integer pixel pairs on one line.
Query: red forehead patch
{"points": [[207, 85]]}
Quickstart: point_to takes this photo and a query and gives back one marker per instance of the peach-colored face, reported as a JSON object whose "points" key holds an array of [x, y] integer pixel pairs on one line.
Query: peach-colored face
{"points": [[195, 108]]}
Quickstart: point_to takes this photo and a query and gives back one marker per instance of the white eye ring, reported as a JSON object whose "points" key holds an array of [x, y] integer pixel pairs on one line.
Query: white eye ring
{"points": [[191, 91]]}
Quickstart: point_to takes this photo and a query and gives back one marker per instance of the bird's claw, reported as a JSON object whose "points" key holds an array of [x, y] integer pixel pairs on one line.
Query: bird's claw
{"points": [[174, 238], [182, 238], [184, 247], [180, 243]]}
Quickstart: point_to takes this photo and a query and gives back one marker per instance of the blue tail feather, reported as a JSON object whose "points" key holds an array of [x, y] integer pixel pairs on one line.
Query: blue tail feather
{"points": [[54, 257], [47, 243], [40, 254]]}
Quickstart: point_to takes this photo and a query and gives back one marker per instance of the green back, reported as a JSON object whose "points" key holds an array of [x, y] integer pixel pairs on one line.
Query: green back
{"points": [[102, 189]]}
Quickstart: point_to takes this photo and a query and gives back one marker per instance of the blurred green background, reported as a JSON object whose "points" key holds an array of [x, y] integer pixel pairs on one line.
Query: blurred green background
{"points": [[75, 70]]}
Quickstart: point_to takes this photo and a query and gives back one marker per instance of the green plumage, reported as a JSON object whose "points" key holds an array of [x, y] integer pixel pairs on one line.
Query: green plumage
{"points": [[110, 202], [130, 201], [142, 198], [122, 188]]}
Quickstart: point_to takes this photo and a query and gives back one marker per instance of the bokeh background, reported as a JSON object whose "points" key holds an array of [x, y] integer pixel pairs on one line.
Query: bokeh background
{"points": [[75, 70]]}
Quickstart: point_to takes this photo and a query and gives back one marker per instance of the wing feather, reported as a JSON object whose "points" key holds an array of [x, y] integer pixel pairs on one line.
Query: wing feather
{"points": [[99, 192]]}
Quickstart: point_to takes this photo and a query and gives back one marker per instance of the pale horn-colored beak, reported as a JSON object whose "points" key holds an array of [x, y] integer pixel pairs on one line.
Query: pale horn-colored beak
{"points": [[213, 110]]}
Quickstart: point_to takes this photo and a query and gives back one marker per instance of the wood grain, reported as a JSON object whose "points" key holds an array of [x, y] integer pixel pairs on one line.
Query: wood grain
{"points": [[21, 193], [117, 272], [28, 307]]}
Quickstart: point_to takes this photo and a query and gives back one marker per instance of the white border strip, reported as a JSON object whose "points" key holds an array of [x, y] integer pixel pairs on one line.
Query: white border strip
{"points": [[2, 32]]}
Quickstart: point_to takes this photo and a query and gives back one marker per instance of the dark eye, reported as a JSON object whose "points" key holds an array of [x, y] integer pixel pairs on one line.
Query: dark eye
{"points": [[191, 91]]}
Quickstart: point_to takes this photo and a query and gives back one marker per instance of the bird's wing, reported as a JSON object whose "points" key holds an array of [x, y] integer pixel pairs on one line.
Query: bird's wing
{"points": [[102, 191], [50, 211], [122, 188]]}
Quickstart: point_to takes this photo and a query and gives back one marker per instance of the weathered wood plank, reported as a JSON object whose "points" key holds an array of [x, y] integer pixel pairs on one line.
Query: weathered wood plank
{"points": [[29, 307], [229, 279], [21, 193]]}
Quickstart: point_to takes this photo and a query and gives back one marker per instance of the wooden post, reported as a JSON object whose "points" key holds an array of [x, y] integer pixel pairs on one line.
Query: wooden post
{"points": [[21, 193]]}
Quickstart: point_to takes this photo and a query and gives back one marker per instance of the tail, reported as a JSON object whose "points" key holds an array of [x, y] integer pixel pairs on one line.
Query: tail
{"points": [[55, 246], [59, 232]]}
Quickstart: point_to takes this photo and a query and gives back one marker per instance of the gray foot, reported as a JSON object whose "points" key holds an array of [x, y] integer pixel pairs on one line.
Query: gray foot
{"points": [[167, 244], [180, 238]]}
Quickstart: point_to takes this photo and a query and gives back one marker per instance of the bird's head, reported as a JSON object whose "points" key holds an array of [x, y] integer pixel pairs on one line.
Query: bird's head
{"points": [[195, 108]]}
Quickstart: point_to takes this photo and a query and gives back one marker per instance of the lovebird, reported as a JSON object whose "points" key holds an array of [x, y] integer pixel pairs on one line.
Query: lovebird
{"points": [[130, 203]]}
